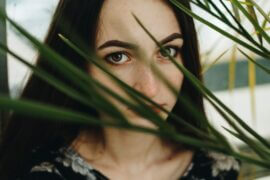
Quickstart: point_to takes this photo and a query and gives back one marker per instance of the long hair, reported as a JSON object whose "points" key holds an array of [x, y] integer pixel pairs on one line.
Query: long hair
{"points": [[23, 133]]}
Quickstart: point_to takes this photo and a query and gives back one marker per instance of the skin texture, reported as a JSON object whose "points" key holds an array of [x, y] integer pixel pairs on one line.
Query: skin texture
{"points": [[125, 154]]}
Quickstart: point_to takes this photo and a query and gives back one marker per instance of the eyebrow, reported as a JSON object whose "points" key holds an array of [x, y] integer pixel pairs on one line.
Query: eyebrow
{"points": [[171, 38], [117, 43]]}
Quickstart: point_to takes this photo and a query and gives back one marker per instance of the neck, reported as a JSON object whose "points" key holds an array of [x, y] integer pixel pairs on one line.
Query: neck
{"points": [[129, 147], [124, 148]]}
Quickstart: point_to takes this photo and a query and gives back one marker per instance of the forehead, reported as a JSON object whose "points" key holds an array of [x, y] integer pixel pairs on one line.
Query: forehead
{"points": [[116, 20]]}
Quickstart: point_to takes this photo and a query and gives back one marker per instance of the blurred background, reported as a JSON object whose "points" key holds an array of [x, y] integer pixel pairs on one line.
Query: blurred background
{"points": [[240, 85]]}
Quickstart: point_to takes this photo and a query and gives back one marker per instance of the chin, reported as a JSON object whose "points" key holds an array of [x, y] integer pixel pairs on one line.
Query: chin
{"points": [[139, 121]]}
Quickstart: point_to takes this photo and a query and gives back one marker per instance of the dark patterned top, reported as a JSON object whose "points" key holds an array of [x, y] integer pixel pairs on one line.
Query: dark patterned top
{"points": [[66, 164]]}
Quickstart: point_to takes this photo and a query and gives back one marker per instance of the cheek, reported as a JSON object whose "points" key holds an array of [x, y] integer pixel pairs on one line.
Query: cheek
{"points": [[105, 80], [178, 80], [173, 76]]}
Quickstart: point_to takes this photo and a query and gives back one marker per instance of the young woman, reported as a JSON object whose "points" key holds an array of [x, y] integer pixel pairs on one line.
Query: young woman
{"points": [[33, 148]]}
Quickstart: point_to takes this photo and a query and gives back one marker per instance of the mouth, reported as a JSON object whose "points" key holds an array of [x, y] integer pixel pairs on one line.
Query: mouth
{"points": [[156, 109]]}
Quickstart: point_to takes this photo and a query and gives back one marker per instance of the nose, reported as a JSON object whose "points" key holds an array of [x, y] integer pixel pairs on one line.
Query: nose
{"points": [[146, 82]]}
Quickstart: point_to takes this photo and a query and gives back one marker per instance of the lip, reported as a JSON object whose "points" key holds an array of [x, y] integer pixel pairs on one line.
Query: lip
{"points": [[157, 110]]}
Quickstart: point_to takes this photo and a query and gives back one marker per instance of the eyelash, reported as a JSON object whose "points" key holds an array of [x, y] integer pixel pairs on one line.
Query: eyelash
{"points": [[107, 57], [116, 53], [176, 48]]}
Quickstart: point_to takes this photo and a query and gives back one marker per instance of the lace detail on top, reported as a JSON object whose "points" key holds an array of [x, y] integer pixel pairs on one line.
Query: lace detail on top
{"points": [[222, 163], [66, 164], [75, 161]]}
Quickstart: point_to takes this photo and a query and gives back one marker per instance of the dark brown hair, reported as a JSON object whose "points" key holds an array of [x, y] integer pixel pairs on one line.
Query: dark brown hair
{"points": [[23, 133]]}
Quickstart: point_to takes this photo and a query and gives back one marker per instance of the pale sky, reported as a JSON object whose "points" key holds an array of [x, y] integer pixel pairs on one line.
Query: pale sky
{"points": [[33, 15]]}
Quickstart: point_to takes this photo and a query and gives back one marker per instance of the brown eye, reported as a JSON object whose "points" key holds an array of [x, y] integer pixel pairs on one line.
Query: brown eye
{"points": [[117, 58], [172, 51]]}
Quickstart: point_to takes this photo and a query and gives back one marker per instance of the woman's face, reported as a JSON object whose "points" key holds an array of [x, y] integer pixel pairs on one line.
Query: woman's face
{"points": [[130, 54]]}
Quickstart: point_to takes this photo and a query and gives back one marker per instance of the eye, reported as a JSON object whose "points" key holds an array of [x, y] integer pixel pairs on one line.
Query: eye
{"points": [[171, 50], [117, 58]]}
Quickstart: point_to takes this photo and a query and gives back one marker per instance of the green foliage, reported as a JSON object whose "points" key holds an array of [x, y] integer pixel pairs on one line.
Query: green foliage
{"points": [[91, 97]]}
